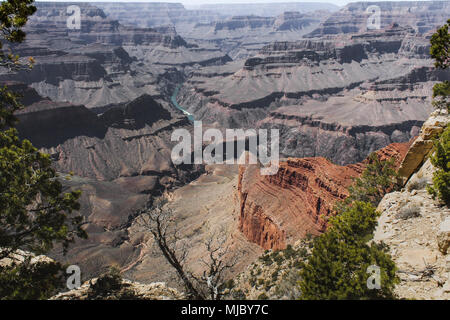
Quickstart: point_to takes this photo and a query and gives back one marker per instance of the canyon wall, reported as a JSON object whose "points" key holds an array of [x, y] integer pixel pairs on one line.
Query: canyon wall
{"points": [[104, 62], [281, 209], [338, 97], [415, 226], [423, 16]]}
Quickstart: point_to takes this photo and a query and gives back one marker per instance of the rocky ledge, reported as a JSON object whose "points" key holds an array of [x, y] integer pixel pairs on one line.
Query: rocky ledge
{"points": [[417, 227], [132, 290]]}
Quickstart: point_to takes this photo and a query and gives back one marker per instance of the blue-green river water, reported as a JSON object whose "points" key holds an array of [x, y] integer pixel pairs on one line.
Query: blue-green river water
{"points": [[173, 99]]}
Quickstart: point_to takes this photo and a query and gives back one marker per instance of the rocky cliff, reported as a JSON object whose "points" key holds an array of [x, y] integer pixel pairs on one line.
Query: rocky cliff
{"points": [[423, 145], [294, 20], [267, 9], [157, 14], [281, 209], [175, 14], [417, 227], [341, 97], [128, 290], [423, 16], [103, 62]]}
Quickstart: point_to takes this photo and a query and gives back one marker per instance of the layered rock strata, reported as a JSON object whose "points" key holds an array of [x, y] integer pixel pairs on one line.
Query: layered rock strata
{"points": [[340, 98], [281, 209]]}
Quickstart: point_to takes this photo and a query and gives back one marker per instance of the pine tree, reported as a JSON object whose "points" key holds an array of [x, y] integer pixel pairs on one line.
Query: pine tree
{"points": [[378, 178], [34, 212], [440, 42]]}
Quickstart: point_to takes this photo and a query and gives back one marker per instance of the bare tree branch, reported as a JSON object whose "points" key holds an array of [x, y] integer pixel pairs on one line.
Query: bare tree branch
{"points": [[160, 221]]}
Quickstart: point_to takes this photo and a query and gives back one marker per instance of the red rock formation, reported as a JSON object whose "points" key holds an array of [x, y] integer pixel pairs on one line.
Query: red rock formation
{"points": [[280, 209]]}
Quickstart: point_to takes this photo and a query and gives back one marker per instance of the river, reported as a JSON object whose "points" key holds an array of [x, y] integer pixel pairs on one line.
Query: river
{"points": [[173, 99]]}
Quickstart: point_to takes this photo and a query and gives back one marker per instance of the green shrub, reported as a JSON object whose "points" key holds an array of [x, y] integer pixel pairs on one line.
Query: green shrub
{"points": [[302, 252], [278, 259], [287, 287], [289, 252], [266, 259], [229, 284], [408, 212], [440, 159], [35, 213], [275, 275], [30, 281], [297, 264], [252, 281], [309, 236], [337, 268], [111, 286], [238, 295], [439, 50]]}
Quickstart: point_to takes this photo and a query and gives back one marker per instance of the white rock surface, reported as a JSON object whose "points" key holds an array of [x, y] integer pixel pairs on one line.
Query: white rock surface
{"points": [[423, 268], [444, 236], [152, 291]]}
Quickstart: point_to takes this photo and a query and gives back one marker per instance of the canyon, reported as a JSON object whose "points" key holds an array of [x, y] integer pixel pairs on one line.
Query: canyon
{"points": [[119, 160], [309, 88], [104, 100]]}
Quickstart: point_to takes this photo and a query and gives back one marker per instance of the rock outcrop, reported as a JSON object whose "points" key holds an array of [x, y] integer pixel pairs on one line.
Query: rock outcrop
{"points": [[288, 21], [175, 14], [19, 256], [95, 26], [281, 209], [423, 145], [137, 291], [103, 62], [416, 229], [294, 20], [416, 226]]}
